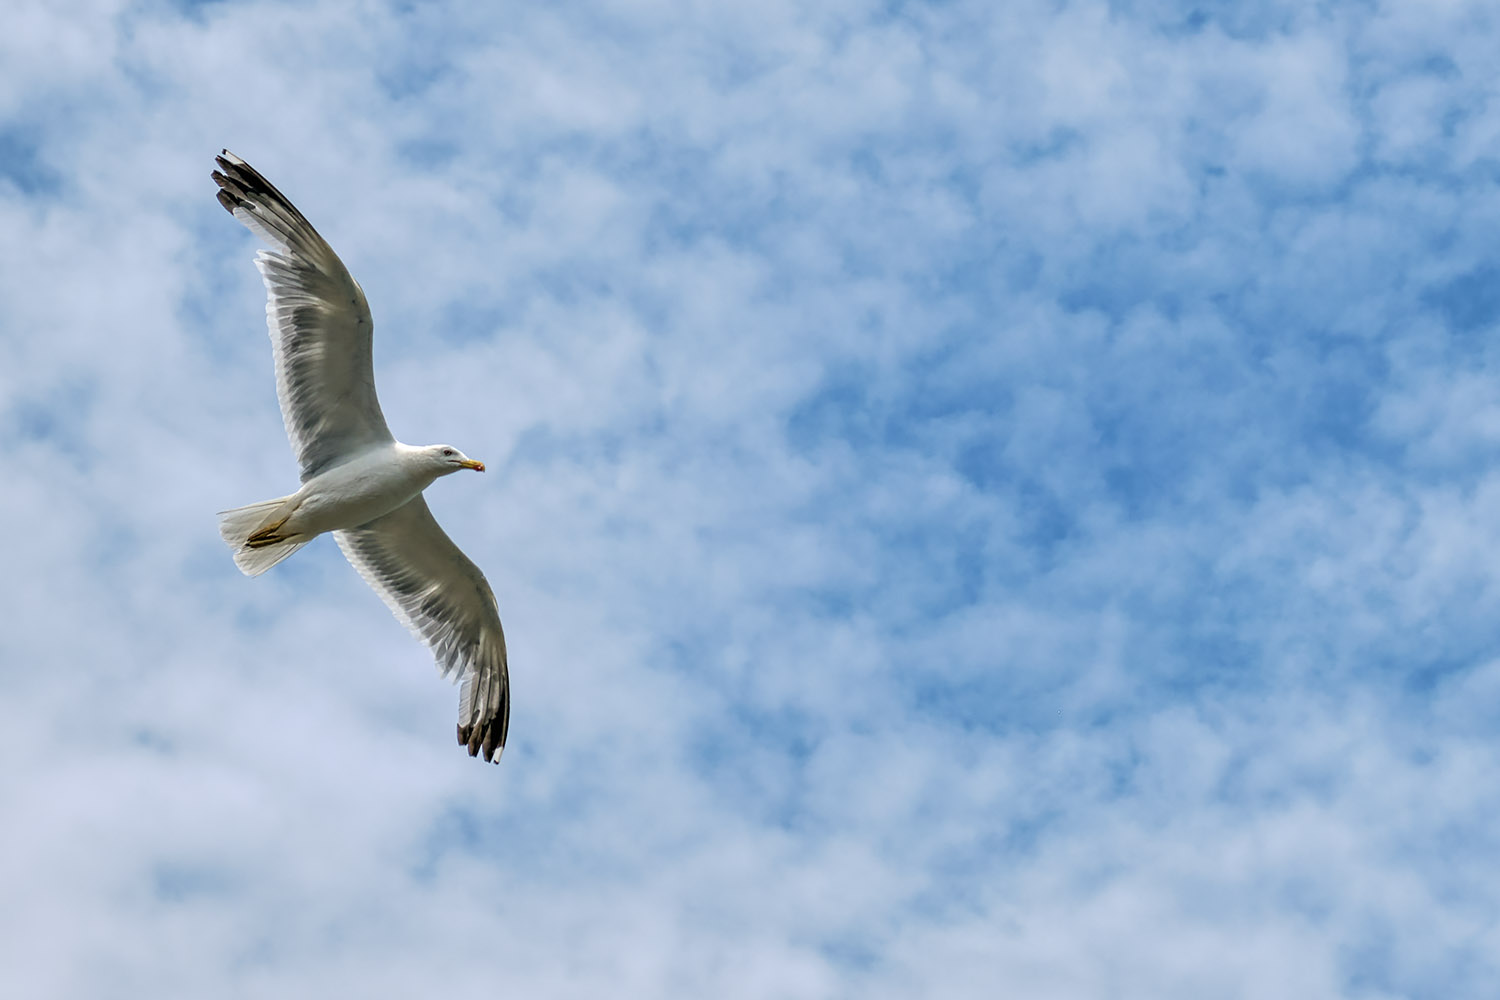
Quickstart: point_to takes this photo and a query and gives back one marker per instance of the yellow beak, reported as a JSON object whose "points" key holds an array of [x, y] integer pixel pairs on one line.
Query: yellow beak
{"points": [[471, 464]]}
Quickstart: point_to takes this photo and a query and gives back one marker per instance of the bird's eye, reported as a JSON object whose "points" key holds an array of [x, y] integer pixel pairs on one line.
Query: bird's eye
{"points": [[448, 452]]}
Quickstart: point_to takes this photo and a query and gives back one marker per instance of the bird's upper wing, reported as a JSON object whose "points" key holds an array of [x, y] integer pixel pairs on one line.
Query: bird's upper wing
{"points": [[320, 325], [442, 597]]}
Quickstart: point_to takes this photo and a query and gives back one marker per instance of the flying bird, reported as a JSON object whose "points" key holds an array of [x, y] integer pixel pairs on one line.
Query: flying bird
{"points": [[358, 481]]}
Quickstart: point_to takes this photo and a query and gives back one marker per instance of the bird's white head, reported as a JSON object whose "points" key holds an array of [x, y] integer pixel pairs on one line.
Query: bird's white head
{"points": [[449, 459]]}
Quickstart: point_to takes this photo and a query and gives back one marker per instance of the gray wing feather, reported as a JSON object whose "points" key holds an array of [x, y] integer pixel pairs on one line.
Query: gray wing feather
{"points": [[438, 593], [320, 325]]}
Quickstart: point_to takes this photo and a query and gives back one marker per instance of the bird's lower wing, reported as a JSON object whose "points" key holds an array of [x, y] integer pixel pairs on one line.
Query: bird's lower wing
{"points": [[438, 593]]}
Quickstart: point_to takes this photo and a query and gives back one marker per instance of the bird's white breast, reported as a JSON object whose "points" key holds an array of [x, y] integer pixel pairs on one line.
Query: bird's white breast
{"points": [[371, 484]]}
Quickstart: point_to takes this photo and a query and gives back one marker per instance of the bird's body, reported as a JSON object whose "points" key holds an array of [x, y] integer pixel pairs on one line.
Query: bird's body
{"points": [[371, 484], [358, 481]]}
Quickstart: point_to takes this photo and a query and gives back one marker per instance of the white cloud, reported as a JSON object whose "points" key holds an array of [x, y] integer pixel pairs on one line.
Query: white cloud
{"points": [[977, 502]]}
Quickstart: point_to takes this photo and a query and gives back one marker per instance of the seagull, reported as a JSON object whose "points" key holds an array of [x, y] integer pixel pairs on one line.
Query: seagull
{"points": [[358, 481]]}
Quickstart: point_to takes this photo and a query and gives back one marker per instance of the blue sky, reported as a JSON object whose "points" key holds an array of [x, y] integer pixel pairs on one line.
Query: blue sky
{"points": [[984, 499]]}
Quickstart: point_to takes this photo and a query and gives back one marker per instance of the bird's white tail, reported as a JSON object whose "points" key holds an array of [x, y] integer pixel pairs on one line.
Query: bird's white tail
{"points": [[238, 525]]}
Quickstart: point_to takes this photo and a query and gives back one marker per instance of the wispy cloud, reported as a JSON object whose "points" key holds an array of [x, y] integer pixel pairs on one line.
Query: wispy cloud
{"points": [[983, 500]]}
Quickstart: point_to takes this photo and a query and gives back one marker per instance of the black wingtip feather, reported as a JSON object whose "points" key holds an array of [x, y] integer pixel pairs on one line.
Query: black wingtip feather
{"points": [[487, 738], [231, 193], [240, 180]]}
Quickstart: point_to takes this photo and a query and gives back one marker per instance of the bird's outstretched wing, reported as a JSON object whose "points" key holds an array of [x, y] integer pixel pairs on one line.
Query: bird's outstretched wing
{"points": [[438, 593], [320, 325]]}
